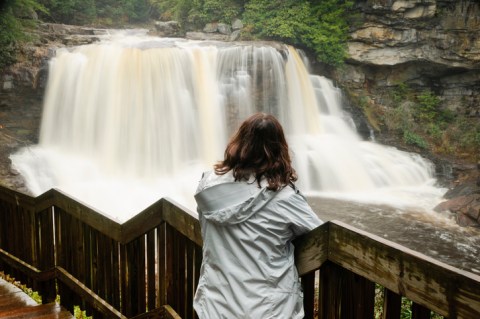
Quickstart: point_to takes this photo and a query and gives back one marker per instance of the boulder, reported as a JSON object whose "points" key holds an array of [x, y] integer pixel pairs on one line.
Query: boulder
{"points": [[224, 28], [210, 28], [168, 28], [237, 24], [466, 208], [235, 35], [464, 199]]}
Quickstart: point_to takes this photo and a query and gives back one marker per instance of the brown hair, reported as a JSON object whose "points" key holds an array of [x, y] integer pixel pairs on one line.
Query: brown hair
{"points": [[259, 147]]}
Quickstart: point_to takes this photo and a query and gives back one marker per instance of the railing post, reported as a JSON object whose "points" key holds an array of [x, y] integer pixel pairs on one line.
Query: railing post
{"points": [[151, 276], [46, 252], [125, 303], [308, 284], [392, 304], [329, 304], [420, 312]]}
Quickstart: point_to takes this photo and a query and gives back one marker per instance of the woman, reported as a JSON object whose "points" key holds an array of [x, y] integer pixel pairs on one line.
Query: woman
{"points": [[250, 211]]}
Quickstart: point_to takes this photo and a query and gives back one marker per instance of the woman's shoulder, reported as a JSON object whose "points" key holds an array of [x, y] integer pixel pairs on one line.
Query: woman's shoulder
{"points": [[209, 179], [290, 191]]}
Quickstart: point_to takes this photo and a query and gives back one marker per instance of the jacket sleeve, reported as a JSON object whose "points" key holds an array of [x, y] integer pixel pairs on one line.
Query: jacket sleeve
{"points": [[302, 217]]}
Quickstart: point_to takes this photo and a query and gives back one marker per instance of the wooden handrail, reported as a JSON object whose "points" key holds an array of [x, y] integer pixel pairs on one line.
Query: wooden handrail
{"points": [[447, 290], [427, 282]]}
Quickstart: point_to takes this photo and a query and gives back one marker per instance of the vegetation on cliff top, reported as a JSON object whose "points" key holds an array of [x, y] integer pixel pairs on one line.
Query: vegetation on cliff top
{"points": [[15, 17], [317, 26]]}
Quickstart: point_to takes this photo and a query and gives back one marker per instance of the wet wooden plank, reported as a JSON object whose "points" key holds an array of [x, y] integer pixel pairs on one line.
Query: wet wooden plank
{"points": [[87, 215], [444, 289], [47, 311], [14, 303], [87, 294], [12, 297], [311, 250], [142, 223], [182, 220]]}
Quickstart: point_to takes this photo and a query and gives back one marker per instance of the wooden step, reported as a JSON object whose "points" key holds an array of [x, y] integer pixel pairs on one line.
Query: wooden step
{"points": [[48, 311], [14, 303]]}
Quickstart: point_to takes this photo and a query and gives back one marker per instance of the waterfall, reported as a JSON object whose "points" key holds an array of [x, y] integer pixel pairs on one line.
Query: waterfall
{"points": [[134, 118]]}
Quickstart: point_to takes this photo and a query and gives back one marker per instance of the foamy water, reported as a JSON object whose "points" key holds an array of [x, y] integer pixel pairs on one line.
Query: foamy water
{"points": [[135, 118]]}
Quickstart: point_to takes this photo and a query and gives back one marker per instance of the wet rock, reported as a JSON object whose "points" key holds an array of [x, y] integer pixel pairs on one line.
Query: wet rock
{"points": [[235, 35], [464, 199], [76, 40], [466, 208], [7, 82], [463, 189], [237, 24], [168, 28], [210, 28], [224, 29], [207, 36]]}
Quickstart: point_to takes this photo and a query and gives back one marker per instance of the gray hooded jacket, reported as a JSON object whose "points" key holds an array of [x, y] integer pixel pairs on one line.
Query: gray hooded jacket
{"points": [[248, 268]]}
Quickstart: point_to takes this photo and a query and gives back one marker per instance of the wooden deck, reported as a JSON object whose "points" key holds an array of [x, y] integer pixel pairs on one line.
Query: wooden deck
{"points": [[14, 303]]}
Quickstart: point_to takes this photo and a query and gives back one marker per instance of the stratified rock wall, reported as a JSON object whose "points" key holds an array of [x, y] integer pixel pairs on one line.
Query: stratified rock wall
{"points": [[426, 44]]}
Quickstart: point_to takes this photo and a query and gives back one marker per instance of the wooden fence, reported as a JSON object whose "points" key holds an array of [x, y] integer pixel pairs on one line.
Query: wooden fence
{"points": [[149, 266]]}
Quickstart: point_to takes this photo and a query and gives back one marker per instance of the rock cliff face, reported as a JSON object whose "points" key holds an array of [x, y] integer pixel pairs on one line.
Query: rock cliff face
{"points": [[427, 45], [423, 43]]}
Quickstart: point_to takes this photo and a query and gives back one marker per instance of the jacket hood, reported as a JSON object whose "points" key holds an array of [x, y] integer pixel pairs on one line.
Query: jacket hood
{"points": [[232, 202]]}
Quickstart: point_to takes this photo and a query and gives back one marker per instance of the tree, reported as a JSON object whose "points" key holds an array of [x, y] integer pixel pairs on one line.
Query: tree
{"points": [[15, 18], [70, 11], [316, 25]]}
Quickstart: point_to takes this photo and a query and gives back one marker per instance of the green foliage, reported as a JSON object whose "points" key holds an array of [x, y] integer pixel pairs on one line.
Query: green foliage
{"points": [[428, 107], [434, 131], [400, 92], [70, 11], [196, 13], [107, 12], [412, 138], [9, 31], [79, 314], [14, 20], [467, 133], [316, 25], [400, 118], [420, 120], [319, 26], [58, 11], [405, 306], [32, 294], [174, 9], [115, 12], [220, 10]]}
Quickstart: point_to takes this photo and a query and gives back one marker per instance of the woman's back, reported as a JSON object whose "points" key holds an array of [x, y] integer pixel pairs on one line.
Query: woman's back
{"points": [[248, 269], [249, 213]]}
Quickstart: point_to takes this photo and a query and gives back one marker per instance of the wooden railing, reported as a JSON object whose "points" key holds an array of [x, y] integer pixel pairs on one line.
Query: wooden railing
{"points": [[149, 266]]}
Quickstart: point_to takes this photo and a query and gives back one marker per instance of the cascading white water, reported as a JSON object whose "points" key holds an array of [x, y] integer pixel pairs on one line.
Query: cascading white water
{"points": [[133, 119]]}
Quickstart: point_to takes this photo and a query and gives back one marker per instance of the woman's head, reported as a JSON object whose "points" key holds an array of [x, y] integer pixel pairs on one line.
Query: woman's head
{"points": [[259, 148]]}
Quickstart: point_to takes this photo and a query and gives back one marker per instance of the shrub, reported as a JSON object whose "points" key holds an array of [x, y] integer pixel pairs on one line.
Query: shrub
{"points": [[414, 139], [400, 92], [319, 26], [427, 107]]}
